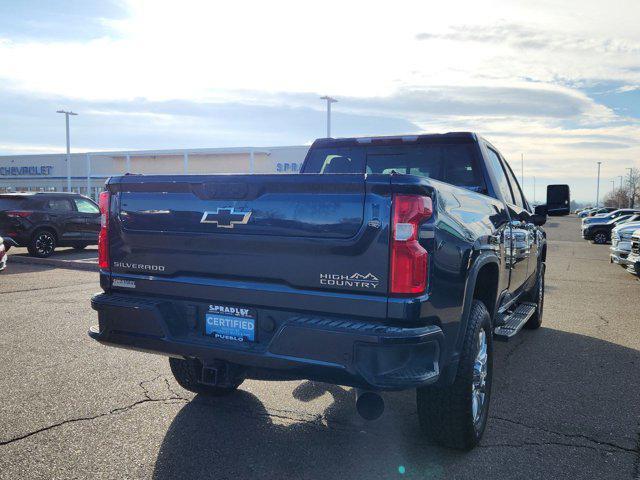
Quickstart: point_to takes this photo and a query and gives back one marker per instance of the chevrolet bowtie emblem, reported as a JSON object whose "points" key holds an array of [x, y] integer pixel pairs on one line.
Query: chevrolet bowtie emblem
{"points": [[226, 217]]}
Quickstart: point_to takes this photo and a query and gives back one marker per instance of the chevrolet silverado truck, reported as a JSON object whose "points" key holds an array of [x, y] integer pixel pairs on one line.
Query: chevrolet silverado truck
{"points": [[388, 263]]}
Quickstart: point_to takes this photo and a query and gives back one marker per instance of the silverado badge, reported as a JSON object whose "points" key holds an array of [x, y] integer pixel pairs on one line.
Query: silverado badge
{"points": [[226, 217]]}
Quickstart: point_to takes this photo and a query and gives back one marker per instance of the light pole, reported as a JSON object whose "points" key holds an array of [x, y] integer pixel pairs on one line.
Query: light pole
{"points": [[329, 100], [66, 118], [620, 193], [631, 192], [613, 190], [598, 187]]}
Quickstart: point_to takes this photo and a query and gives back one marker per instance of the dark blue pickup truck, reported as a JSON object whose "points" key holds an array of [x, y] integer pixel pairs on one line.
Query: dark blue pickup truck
{"points": [[389, 263]]}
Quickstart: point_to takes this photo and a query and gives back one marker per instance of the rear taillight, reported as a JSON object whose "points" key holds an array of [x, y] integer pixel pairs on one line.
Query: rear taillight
{"points": [[19, 214], [103, 237], [408, 258]]}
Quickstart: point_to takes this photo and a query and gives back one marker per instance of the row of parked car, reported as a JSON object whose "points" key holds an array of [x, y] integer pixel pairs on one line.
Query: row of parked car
{"points": [[619, 226]]}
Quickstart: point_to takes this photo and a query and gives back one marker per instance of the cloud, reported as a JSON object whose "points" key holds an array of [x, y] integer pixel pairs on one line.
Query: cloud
{"points": [[628, 88], [524, 37], [598, 145], [491, 101], [30, 120], [415, 103], [58, 19]]}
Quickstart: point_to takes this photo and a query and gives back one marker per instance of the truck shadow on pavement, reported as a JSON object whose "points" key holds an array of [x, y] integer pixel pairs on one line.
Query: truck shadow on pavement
{"points": [[562, 402]]}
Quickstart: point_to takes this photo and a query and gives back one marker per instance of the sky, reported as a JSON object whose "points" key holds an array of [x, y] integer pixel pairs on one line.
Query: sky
{"points": [[555, 83]]}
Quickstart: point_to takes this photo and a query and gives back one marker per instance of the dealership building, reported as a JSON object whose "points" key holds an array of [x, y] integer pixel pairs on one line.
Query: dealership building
{"points": [[87, 172]]}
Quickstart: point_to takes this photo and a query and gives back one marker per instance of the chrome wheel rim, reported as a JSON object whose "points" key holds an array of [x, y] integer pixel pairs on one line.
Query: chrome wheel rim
{"points": [[44, 244], [480, 369], [601, 238]]}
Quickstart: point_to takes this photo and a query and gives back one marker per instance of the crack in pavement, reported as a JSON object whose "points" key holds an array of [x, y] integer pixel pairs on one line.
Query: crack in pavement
{"points": [[568, 435], [320, 421], [605, 322], [43, 288], [547, 444], [173, 399], [168, 401], [166, 381]]}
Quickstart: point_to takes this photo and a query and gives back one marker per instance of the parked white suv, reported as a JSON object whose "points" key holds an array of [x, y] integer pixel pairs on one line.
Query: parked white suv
{"points": [[621, 242]]}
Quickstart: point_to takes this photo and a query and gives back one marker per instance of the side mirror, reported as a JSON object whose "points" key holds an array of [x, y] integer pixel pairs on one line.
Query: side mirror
{"points": [[558, 199], [539, 217]]}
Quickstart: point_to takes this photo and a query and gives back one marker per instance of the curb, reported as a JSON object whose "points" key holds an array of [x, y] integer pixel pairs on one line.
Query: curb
{"points": [[52, 262]]}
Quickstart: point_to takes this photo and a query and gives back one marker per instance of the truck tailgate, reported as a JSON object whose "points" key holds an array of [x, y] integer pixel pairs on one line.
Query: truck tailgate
{"points": [[320, 233]]}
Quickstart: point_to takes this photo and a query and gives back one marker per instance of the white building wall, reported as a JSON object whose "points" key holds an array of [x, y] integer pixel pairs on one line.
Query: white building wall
{"points": [[90, 170]]}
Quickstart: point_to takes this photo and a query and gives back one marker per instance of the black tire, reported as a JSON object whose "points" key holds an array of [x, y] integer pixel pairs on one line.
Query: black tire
{"points": [[600, 237], [537, 296], [188, 374], [80, 246], [7, 247], [446, 412], [42, 244]]}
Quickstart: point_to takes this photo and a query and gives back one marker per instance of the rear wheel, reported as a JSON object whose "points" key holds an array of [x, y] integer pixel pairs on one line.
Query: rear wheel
{"points": [[455, 416], [600, 237], [42, 245], [188, 374]]}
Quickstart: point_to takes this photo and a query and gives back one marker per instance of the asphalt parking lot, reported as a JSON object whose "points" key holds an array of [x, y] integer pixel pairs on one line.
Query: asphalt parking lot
{"points": [[566, 398], [86, 259]]}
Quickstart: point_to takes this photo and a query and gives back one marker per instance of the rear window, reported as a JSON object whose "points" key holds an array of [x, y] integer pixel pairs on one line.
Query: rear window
{"points": [[335, 160], [13, 203], [452, 163]]}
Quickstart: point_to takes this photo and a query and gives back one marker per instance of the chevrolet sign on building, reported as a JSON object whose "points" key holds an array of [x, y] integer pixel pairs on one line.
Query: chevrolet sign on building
{"points": [[89, 170], [26, 171]]}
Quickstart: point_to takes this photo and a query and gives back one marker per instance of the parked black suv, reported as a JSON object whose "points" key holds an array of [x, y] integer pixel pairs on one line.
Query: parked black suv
{"points": [[43, 221], [600, 233]]}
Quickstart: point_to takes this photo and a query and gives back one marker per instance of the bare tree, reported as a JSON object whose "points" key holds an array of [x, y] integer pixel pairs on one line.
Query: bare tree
{"points": [[610, 200], [618, 198], [633, 187]]}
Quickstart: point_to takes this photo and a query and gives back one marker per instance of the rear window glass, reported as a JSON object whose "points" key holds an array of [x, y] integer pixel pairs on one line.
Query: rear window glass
{"points": [[335, 160], [8, 203], [451, 163]]}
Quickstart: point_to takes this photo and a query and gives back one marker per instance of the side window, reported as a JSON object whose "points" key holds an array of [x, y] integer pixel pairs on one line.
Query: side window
{"points": [[517, 193], [59, 205], [503, 183], [85, 206]]}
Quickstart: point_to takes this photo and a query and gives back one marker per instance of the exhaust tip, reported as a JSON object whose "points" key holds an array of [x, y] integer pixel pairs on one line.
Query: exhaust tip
{"points": [[369, 405]]}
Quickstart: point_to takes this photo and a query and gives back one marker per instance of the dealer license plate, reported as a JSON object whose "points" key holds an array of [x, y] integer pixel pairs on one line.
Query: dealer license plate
{"points": [[235, 324]]}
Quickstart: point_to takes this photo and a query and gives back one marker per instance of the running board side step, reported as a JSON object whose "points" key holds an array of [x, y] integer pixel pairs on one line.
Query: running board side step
{"points": [[510, 323]]}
